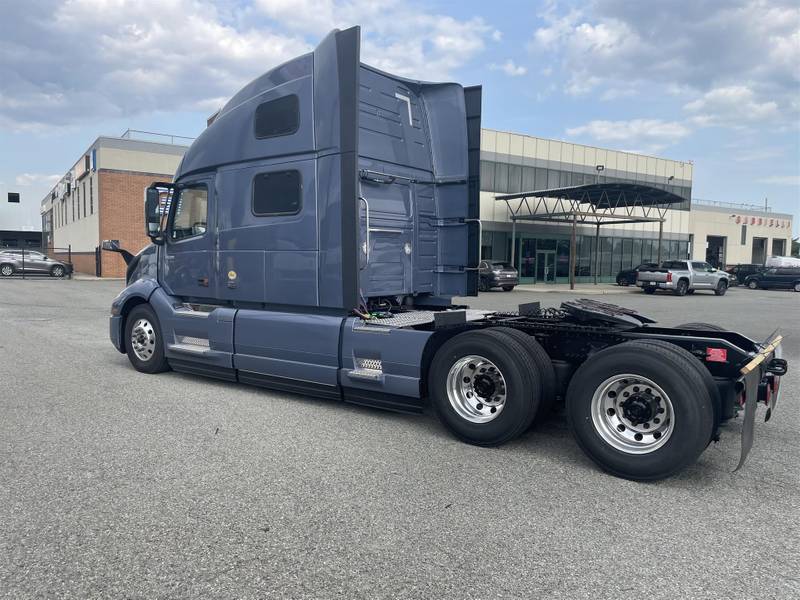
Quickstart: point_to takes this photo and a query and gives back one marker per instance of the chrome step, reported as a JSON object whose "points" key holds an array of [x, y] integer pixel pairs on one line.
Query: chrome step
{"points": [[189, 349]]}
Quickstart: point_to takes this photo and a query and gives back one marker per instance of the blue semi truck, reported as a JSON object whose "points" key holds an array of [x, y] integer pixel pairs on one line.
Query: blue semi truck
{"points": [[314, 237]]}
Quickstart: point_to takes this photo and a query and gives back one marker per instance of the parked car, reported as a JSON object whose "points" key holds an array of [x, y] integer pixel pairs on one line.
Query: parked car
{"points": [[785, 278], [628, 276], [683, 277], [739, 273], [495, 273], [30, 261]]}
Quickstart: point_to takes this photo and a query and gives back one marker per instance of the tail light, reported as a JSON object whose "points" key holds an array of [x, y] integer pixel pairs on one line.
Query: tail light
{"points": [[669, 277]]}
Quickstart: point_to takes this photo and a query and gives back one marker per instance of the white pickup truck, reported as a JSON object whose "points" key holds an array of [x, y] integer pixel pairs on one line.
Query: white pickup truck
{"points": [[683, 277]]}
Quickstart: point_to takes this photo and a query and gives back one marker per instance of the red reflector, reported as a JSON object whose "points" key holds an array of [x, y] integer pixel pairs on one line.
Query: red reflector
{"points": [[716, 355]]}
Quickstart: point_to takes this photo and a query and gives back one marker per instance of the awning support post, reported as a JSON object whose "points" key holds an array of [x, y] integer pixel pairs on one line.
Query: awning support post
{"points": [[660, 238], [572, 251], [596, 253], [513, 241]]}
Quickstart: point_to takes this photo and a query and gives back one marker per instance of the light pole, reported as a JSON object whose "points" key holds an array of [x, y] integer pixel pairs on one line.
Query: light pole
{"points": [[599, 168]]}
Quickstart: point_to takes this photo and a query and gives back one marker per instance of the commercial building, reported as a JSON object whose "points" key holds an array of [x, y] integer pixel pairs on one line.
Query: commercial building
{"points": [[100, 197], [20, 238], [721, 233]]}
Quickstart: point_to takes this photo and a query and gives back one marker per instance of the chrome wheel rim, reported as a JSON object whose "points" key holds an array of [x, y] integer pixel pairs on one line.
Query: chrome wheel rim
{"points": [[58, 271], [143, 339], [7, 270], [632, 414], [476, 389]]}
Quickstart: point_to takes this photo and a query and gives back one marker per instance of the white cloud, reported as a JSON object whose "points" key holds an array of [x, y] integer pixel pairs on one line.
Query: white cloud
{"points": [[732, 105], [651, 135], [509, 68], [36, 179], [402, 38], [697, 50], [62, 63], [792, 180]]}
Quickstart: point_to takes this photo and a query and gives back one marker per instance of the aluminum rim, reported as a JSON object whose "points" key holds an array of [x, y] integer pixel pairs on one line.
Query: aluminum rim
{"points": [[7, 270], [476, 389], [632, 414], [58, 271], [143, 339]]}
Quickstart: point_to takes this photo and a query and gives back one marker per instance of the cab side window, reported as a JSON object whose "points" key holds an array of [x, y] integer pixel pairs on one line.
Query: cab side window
{"points": [[191, 213], [277, 193]]}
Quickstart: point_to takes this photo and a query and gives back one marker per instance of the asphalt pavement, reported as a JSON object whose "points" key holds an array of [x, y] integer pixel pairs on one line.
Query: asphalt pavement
{"points": [[117, 484]]}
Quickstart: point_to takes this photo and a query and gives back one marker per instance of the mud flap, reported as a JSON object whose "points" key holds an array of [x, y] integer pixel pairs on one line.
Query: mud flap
{"points": [[748, 426]]}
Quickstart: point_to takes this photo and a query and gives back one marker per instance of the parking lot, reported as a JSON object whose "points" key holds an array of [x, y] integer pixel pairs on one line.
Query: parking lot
{"points": [[121, 485]]}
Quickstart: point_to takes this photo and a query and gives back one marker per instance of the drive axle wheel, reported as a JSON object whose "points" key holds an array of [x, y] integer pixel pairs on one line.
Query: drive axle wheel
{"points": [[640, 411], [484, 388], [682, 287]]}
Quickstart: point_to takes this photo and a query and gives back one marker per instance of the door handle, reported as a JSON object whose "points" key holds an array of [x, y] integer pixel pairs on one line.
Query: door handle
{"points": [[366, 210]]}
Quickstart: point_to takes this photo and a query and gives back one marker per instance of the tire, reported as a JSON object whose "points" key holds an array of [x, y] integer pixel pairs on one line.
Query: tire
{"points": [[649, 290], [797, 287], [701, 326], [482, 287], [508, 288], [753, 285], [466, 417], [721, 288], [57, 271], [147, 357], [547, 374], [678, 391], [6, 270], [692, 362], [681, 287], [622, 281]]}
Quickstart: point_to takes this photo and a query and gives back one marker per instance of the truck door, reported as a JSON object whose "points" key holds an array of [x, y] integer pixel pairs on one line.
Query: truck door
{"points": [[186, 268], [387, 223], [700, 275]]}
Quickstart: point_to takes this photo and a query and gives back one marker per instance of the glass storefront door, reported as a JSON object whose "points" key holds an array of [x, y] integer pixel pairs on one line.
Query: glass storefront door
{"points": [[527, 258], [545, 266]]}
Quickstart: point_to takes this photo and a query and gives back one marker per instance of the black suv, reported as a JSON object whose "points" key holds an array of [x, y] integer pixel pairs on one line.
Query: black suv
{"points": [[739, 273], [495, 273], [784, 278], [628, 276]]}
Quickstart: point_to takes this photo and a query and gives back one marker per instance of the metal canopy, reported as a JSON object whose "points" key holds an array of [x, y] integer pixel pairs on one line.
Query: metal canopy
{"points": [[591, 204]]}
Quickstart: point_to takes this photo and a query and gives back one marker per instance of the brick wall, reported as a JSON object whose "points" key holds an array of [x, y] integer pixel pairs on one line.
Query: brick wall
{"points": [[122, 214], [82, 262]]}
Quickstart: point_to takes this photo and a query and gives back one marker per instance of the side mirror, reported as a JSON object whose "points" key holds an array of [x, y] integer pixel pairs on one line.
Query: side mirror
{"points": [[110, 245], [152, 213]]}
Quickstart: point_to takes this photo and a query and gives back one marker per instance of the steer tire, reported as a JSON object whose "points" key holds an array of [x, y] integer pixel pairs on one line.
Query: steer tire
{"points": [[681, 287], [721, 288], [6, 270], [58, 271], [155, 362], [693, 363], [690, 425], [547, 374], [753, 285], [522, 387]]}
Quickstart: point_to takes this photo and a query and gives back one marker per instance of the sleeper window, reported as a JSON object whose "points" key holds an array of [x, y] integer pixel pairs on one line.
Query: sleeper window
{"points": [[277, 117], [191, 213], [277, 193]]}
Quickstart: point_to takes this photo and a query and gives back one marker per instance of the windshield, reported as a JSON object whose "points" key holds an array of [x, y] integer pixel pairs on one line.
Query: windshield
{"points": [[500, 265]]}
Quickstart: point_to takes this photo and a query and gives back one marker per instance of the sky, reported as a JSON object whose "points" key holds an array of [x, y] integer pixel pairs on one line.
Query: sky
{"points": [[716, 82]]}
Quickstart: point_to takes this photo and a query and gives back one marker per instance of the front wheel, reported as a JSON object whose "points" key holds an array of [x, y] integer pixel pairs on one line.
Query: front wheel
{"points": [[721, 288], [485, 388], [797, 287], [753, 285], [638, 412], [57, 271], [144, 343]]}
